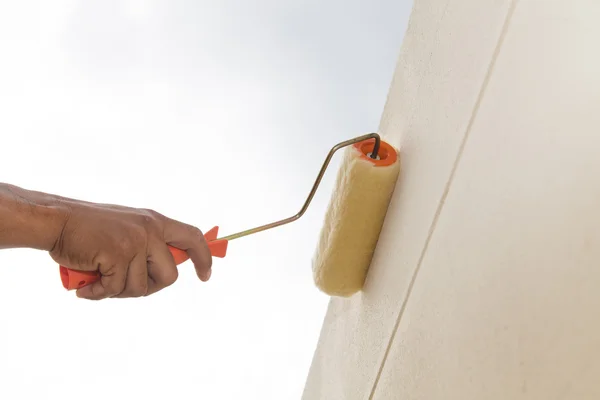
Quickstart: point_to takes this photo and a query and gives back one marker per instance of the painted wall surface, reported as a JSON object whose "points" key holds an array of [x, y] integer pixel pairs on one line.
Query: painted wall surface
{"points": [[485, 281]]}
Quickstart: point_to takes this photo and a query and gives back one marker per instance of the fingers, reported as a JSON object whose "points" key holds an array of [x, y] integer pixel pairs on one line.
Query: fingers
{"points": [[161, 267], [136, 284], [111, 283], [143, 276], [190, 239], [149, 266]]}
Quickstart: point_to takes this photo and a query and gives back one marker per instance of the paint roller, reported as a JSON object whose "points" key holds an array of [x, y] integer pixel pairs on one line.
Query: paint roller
{"points": [[352, 224]]}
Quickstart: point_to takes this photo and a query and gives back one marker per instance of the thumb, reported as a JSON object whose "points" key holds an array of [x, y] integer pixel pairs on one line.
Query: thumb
{"points": [[192, 241]]}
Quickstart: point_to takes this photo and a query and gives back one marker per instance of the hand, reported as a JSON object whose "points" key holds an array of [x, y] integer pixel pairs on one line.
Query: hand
{"points": [[128, 247]]}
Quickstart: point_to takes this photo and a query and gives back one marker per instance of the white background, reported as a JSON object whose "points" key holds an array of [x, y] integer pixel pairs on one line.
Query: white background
{"points": [[211, 112]]}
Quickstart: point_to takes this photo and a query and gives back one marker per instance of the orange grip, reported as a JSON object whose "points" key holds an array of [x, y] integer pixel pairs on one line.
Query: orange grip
{"points": [[73, 279]]}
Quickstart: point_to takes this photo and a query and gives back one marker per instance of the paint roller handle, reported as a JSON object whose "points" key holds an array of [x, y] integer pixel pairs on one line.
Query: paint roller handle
{"points": [[74, 279]]}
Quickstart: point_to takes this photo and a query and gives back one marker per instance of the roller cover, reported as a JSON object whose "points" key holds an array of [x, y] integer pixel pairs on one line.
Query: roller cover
{"points": [[353, 221]]}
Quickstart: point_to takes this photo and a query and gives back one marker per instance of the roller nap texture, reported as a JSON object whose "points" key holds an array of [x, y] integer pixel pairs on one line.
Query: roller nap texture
{"points": [[354, 219]]}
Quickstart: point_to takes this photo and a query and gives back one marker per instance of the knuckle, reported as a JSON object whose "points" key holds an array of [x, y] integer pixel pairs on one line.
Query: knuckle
{"points": [[113, 288], [150, 212], [131, 243], [136, 282], [140, 287], [169, 277], [151, 220], [196, 233], [126, 244], [148, 220], [138, 290], [151, 216]]}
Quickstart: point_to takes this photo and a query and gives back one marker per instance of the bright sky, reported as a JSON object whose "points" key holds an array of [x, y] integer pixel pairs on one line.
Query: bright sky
{"points": [[211, 112]]}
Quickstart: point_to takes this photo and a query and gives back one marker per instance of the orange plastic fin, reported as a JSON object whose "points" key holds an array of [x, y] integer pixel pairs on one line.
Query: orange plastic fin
{"points": [[218, 248], [212, 234]]}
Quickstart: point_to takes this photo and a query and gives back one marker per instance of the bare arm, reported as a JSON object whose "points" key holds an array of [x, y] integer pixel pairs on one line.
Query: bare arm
{"points": [[128, 246], [29, 219]]}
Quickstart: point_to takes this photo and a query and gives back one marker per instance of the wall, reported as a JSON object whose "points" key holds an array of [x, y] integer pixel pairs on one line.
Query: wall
{"points": [[484, 283]]}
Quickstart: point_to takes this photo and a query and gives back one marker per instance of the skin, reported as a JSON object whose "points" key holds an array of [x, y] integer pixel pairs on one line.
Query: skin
{"points": [[128, 246]]}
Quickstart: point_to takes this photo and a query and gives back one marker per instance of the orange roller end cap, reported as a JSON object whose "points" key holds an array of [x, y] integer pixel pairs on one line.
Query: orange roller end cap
{"points": [[387, 154]]}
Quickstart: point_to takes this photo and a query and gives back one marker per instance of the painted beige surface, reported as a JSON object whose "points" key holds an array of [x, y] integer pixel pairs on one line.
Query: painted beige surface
{"points": [[435, 88], [505, 248], [506, 304]]}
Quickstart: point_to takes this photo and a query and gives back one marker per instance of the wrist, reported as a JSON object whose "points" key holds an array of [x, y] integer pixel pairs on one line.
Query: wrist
{"points": [[48, 222], [30, 219]]}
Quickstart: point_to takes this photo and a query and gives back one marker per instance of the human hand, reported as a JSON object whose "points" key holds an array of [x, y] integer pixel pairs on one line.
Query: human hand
{"points": [[127, 246]]}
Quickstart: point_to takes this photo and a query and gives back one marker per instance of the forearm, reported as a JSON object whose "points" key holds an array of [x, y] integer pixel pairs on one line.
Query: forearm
{"points": [[29, 219]]}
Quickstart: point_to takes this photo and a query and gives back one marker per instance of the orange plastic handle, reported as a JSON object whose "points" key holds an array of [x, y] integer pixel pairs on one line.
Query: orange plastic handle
{"points": [[72, 279]]}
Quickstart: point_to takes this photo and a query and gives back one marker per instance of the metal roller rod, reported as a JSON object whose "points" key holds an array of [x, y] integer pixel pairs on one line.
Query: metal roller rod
{"points": [[296, 216]]}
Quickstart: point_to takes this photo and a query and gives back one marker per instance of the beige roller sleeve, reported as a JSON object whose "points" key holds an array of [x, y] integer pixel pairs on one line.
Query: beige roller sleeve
{"points": [[486, 280], [354, 218]]}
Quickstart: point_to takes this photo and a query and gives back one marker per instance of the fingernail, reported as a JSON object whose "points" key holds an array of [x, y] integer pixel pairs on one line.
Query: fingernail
{"points": [[207, 275]]}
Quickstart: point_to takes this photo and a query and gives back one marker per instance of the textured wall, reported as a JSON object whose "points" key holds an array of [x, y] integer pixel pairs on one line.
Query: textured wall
{"points": [[484, 284]]}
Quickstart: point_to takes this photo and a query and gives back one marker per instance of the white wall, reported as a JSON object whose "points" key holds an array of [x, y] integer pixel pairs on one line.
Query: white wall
{"points": [[485, 282]]}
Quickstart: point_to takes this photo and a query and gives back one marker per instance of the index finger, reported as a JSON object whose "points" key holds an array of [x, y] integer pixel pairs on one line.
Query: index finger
{"points": [[191, 240]]}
